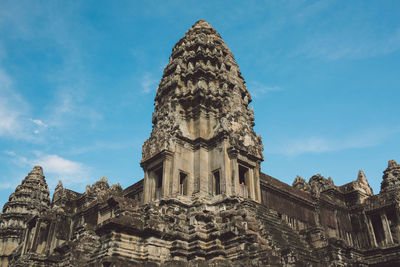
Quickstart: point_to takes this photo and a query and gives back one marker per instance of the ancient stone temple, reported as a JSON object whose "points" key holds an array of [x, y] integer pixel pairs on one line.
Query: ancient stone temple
{"points": [[29, 199], [204, 200]]}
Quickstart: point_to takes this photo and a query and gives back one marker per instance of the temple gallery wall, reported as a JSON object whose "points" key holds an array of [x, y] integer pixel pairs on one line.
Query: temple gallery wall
{"points": [[204, 200]]}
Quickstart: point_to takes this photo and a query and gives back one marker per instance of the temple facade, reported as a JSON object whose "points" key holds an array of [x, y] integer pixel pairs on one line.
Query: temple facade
{"points": [[204, 200]]}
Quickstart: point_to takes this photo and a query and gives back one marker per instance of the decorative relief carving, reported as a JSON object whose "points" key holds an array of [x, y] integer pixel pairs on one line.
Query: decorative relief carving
{"points": [[202, 77]]}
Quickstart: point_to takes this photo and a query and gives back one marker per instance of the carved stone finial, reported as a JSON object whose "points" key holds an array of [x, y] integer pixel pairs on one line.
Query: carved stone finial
{"points": [[319, 183], [391, 177], [59, 186], [300, 183], [361, 176], [392, 163]]}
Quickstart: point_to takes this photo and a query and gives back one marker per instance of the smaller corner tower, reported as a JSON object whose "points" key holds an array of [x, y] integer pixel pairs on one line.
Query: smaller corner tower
{"points": [[202, 143], [30, 198], [391, 177]]}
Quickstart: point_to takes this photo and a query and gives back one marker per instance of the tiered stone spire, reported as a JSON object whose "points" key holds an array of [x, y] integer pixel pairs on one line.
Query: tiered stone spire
{"points": [[30, 198], [202, 75], [202, 124], [391, 177]]}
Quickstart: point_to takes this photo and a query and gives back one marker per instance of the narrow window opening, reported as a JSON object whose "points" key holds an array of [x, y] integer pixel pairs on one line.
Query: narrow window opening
{"points": [[378, 229], [242, 174], [183, 183], [159, 177], [243, 177], [216, 183]]}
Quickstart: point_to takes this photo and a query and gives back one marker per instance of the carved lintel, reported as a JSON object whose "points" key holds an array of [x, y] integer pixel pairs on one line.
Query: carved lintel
{"points": [[165, 154]]}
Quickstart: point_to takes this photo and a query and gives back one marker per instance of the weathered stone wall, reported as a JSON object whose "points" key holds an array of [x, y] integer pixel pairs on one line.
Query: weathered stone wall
{"points": [[104, 227]]}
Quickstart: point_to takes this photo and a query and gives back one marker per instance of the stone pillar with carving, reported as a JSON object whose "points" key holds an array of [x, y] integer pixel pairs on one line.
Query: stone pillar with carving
{"points": [[202, 112], [386, 229]]}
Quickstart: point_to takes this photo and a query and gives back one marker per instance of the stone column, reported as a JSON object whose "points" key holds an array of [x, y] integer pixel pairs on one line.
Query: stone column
{"points": [[35, 236], [251, 184], [204, 172], [50, 237], [201, 172], [371, 233], [397, 217], [167, 176], [234, 175], [226, 171], [146, 188], [386, 228], [256, 176], [25, 240]]}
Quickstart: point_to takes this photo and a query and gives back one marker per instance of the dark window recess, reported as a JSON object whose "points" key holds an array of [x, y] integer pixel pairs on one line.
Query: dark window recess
{"points": [[378, 229], [242, 174], [159, 176], [183, 183], [216, 183]]}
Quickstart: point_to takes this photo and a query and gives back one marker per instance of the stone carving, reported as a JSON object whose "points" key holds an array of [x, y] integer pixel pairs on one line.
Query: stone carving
{"points": [[391, 177], [30, 198], [300, 183], [319, 184], [362, 184], [202, 77]]}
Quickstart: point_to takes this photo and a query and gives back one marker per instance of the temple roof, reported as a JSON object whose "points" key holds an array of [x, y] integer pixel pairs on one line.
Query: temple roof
{"points": [[201, 61], [202, 74], [29, 198]]}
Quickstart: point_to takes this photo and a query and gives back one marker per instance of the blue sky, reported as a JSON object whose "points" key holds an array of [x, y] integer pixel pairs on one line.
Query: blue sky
{"points": [[78, 79]]}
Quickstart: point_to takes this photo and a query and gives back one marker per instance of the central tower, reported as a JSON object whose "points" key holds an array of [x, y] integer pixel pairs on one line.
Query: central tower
{"points": [[202, 143]]}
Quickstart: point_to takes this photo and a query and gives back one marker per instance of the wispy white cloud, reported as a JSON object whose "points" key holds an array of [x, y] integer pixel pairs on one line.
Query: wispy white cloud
{"points": [[6, 185], [39, 123], [336, 46], [70, 79], [102, 145], [318, 144], [70, 107], [10, 153], [305, 10], [13, 110], [148, 83], [258, 89], [55, 166]]}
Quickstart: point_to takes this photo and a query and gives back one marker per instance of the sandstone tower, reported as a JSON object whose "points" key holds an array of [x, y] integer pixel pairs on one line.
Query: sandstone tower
{"points": [[203, 142], [204, 200], [30, 198]]}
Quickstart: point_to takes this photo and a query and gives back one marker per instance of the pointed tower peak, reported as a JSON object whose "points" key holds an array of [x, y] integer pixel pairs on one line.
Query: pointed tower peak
{"points": [[202, 24], [391, 177], [29, 198], [202, 78], [37, 170], [392, 163], [361, 176]]}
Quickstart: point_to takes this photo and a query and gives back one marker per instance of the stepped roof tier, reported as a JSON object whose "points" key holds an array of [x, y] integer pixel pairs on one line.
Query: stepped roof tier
{"points": [[30, 198], [202, 76], [391, 177]]}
